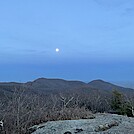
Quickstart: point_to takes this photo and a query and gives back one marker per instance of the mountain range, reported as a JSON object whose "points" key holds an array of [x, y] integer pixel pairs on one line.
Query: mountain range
{"points": [[43, 85]]}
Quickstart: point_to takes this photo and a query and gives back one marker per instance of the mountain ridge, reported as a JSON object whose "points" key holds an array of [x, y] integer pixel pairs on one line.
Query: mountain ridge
{"points": [[46, 84]]}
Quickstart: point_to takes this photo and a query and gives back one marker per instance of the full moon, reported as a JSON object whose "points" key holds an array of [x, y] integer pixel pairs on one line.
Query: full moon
{"points": [[57, 49]]}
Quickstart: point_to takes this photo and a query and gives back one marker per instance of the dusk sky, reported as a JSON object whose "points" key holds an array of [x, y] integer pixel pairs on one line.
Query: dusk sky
{"points": [[95, 40]]}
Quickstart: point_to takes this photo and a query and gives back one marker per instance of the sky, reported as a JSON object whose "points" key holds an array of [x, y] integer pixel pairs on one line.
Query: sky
{"points": [[94, 37]]}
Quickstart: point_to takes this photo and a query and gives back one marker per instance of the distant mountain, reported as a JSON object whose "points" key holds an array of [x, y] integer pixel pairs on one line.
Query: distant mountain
{"points": [[103, 85], [127, 84], [44, 85], [7, 88]]}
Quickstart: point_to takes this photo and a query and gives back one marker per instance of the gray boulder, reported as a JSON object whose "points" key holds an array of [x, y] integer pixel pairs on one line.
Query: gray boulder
{"points": [[101, 124]]}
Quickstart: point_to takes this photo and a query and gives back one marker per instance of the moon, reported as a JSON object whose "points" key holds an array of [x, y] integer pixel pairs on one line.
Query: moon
{"points": [[57, 50]]}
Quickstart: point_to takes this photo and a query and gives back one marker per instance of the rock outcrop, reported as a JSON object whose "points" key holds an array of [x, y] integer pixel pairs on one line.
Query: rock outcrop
{"points": [[101, 124]]}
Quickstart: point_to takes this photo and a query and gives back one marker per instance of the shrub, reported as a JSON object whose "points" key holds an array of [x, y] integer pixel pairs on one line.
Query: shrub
{"points": [[119, 104]]}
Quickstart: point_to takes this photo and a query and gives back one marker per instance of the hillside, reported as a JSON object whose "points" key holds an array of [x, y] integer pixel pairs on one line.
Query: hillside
{"points": [[103, 85], [44, 84]]}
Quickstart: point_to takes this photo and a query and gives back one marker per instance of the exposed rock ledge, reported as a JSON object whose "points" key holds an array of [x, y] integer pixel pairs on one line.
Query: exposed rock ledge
{"points": [[101, 124]]}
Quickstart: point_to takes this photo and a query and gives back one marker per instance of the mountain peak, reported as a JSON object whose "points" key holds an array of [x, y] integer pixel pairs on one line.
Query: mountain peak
{"points": [[101, 84], [97, 80]]}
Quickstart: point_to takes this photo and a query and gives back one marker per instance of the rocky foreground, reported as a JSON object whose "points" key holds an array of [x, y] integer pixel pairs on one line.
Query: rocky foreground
{"points": [[101, 124]]}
